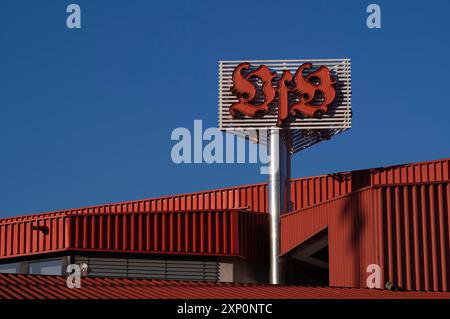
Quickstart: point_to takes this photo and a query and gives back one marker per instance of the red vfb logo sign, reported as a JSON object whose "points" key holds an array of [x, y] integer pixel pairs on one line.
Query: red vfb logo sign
{"points": [[312, 93]]}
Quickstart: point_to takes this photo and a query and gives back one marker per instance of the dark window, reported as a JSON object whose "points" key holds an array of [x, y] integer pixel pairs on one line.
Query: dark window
{"points": [[48, 267], [11, 268]]}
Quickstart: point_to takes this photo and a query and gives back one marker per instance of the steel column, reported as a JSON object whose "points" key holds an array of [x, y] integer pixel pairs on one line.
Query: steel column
{"points": [[279, 196]]}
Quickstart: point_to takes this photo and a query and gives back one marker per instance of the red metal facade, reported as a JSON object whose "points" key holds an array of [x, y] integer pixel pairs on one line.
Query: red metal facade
{"points": [[185, 232], [416, 240], [403, 228], [343, 218], [305, 192], [54, 287], [397, 217], [309, 191]]}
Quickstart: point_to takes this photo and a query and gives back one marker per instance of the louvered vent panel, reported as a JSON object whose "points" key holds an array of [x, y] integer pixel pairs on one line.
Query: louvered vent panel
{"points": [[307, 131], [169, 269]]}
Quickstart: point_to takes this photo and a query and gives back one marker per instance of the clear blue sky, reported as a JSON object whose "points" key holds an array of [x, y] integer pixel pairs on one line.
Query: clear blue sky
{"points": [[86, 115]]}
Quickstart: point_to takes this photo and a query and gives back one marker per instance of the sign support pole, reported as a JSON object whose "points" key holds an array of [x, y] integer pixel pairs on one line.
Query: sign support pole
{"points": [[279, 195]]}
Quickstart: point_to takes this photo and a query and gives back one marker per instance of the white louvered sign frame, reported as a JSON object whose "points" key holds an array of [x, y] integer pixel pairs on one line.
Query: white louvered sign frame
{"points": [[305, 131]]}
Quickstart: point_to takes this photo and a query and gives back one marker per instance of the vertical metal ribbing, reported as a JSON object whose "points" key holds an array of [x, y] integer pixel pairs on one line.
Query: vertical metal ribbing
{"points": [[279, 196]]}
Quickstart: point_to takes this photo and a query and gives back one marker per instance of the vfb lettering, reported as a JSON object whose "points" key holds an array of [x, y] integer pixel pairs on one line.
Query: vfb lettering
{"points": [[304, 94]]}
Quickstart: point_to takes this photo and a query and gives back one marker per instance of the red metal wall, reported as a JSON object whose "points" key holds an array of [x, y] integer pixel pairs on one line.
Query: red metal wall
{"points": [[186, 232], [350, 223], [357, 222], [416, 239], [19, 237], [310, 191], [403, 228], [305, 192]]}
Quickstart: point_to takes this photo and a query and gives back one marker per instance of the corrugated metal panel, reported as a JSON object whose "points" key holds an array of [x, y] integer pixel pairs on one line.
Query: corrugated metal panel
{"points": [[415, 228], [254, 235], [350, 224], [194, 232], [130, 227], [424, 172], [402, 228], [252, 197], [185, 232], [54, 287], [33, 235], [305, 192]]}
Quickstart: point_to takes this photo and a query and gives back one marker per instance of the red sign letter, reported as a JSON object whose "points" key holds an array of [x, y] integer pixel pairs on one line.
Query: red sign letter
{"points": [[315, 92], [307, 90], [244, 89]]}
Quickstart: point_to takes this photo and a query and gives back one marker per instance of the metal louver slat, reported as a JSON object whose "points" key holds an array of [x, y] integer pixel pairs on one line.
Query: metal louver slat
{"points": [[203, 270], [311, 130]]}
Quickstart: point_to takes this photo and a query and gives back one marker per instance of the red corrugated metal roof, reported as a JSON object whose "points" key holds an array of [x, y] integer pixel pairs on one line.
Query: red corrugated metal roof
{"points": [[54, 287]]}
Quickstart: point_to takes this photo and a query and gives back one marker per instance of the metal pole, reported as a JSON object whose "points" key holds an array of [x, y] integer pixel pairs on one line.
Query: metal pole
{"points": [[279, 196], [274, 206], [285, 171]]}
